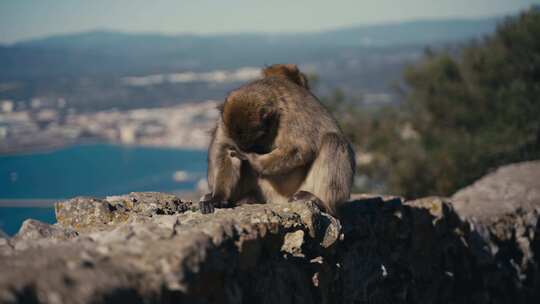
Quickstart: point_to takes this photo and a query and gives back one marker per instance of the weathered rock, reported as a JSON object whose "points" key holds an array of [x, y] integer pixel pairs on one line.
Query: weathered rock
{"points": [[35, 234], [502, 209], [3, 238], [5, 246], [96, 214], [154, 248], [151, 254], [505, 191], [292, 243]]}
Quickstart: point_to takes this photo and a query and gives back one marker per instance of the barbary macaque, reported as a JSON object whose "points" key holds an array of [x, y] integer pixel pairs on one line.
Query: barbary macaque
{"points": [[275, 142]]}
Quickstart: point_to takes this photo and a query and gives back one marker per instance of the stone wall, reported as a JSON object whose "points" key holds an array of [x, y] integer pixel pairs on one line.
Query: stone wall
{"points": [[156, 248]]}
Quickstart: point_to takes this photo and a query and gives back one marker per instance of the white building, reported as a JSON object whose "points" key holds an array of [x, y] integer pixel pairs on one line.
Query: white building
{"points": [[7, 106]]}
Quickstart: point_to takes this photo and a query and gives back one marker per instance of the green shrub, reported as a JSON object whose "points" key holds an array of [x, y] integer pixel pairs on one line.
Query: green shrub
{"points": [[463, 115]]}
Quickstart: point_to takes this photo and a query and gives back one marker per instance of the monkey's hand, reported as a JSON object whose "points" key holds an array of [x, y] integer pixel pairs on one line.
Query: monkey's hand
{"points": [[255, 162], [253, 159], [279, 161], [208, 203]]}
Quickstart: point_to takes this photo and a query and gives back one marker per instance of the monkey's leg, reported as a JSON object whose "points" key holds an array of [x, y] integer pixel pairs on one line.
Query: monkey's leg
{"points": [[331, 174], [230, 180]]}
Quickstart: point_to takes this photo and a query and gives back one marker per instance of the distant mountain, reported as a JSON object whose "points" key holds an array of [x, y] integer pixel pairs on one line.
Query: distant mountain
{"points": [[412, 32], [87, 71], [112, 53]]}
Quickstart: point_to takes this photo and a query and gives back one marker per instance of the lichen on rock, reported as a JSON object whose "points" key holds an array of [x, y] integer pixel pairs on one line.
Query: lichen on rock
{"points": [[83, 213]]}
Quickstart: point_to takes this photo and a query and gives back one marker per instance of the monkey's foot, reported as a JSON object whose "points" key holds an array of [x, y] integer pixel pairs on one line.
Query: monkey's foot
{"points": [[206, 207], [208, 203], [328, 227], [306, 196]]}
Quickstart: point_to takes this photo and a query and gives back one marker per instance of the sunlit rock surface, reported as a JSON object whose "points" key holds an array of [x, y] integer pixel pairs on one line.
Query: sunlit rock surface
{"points": [[156, 248], [503, 208]]}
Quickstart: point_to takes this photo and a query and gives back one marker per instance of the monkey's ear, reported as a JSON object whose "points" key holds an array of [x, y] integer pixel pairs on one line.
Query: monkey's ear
{"points": [[304, 81], [288, 71]]}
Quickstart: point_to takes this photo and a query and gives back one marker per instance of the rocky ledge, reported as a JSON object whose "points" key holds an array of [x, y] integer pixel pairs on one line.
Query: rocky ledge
{"points": [[156, 248]]}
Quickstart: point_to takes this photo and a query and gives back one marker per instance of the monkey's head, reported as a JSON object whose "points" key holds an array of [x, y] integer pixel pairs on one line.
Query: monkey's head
{"points": [[287, 71], [250, 119]]}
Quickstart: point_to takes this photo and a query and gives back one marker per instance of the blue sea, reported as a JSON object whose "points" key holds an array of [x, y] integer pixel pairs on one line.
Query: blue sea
{"points": [[91, 170]]}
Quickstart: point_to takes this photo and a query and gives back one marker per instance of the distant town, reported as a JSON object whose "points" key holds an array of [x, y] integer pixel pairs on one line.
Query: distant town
{"points": [[45, 124]]}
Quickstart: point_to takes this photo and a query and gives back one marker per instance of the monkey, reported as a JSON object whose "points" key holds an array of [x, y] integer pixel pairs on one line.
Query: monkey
{"points": [[275, 142]]}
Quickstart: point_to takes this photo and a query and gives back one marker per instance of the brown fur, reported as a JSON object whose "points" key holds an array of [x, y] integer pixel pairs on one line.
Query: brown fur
{"points": [[275, 142], [287, 71]]}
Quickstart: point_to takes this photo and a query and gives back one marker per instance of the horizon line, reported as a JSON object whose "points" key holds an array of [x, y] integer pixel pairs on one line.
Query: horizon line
{"points": [[498, 18]]}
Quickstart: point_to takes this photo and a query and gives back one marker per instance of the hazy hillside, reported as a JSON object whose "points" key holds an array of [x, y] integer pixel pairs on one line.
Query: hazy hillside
{"points": [[121, 53], [86, 68], [422, 32]]}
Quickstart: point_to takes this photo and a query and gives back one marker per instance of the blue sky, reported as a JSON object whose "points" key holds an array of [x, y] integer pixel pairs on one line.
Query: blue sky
{"points": [[24, 19]]}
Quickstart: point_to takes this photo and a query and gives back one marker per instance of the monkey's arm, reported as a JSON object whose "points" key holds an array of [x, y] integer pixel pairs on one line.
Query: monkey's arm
{"points": [[280, 160]]}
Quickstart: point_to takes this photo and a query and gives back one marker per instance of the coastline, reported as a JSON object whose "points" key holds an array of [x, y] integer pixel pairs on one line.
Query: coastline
{"points": [[186, 126], [45, 147], [39, 149]]}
